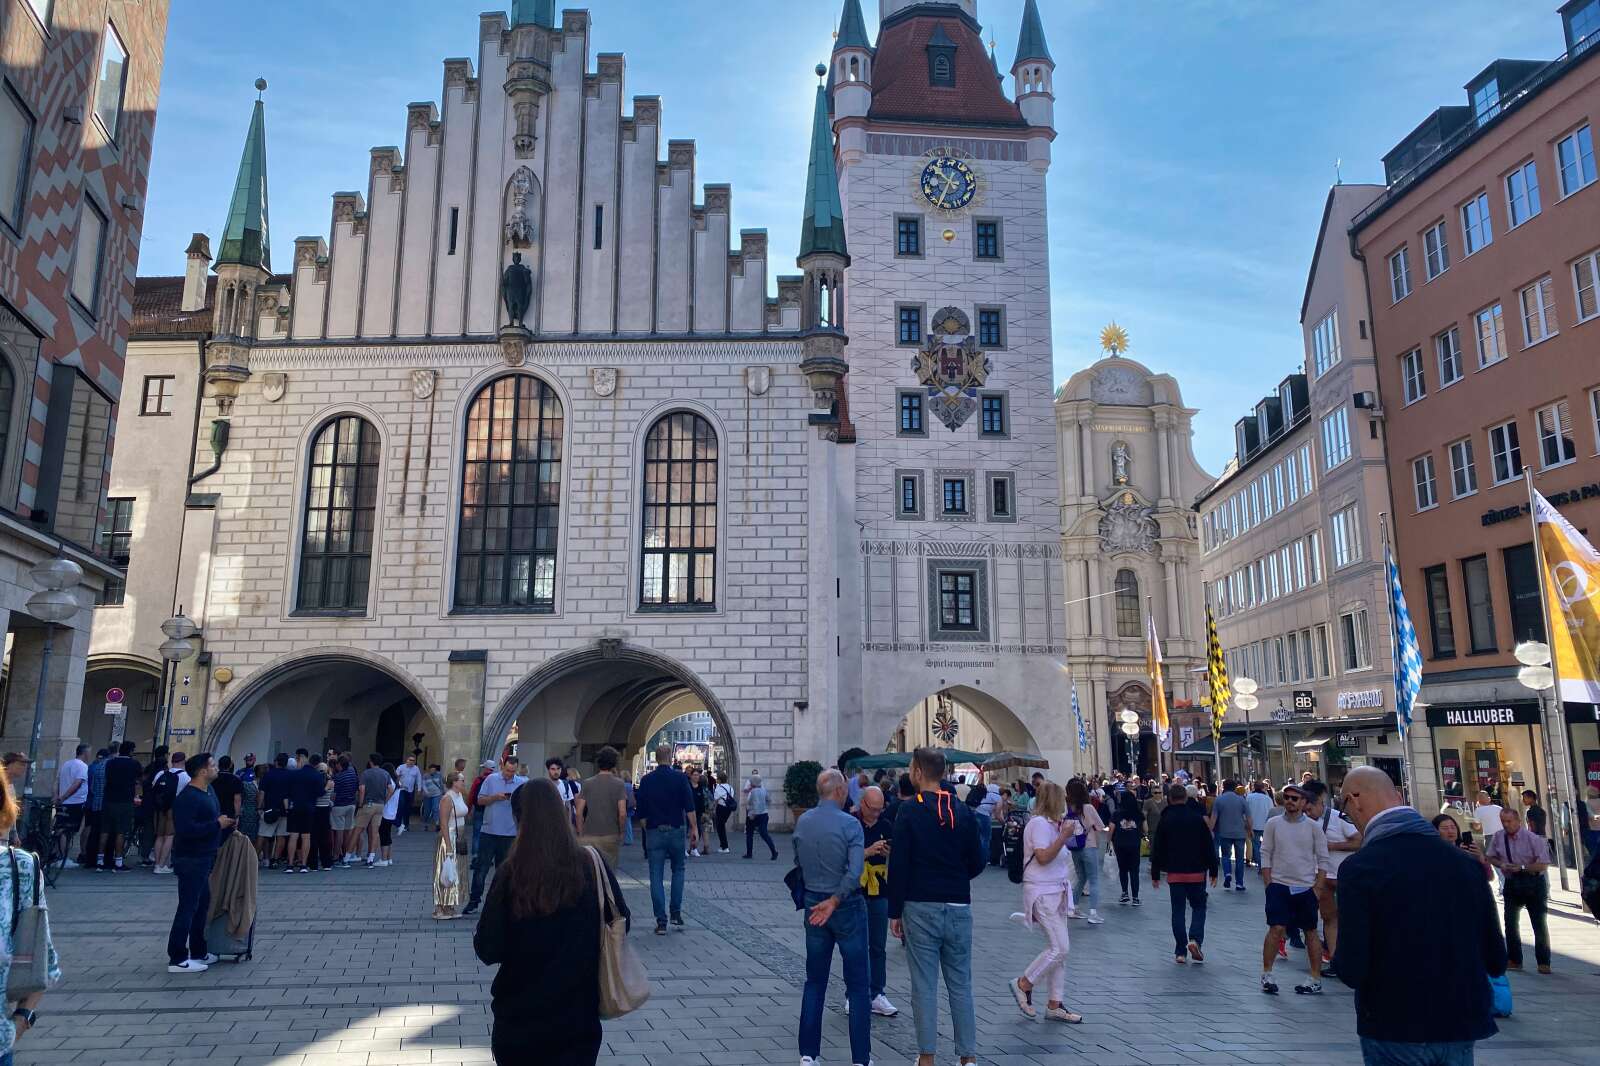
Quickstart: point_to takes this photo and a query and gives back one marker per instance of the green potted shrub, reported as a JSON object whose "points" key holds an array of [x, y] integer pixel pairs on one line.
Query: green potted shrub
{"points": [[800, 786]]}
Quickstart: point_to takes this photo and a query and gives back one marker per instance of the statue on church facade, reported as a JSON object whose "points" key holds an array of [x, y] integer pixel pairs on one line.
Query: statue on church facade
{"points": [[1121, 462], [516, 289]]}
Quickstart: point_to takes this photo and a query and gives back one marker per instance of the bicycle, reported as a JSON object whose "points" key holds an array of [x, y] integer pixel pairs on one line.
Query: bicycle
{"points": [[51, 844]]}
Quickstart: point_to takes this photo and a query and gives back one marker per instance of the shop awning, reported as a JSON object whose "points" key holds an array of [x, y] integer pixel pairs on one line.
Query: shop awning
{"points": [[1316, 740], [1203, 746]]}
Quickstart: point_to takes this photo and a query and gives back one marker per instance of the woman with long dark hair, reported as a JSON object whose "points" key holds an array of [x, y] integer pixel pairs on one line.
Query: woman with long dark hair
{"points": [[1086, 859], [1126, 834], [541, 924]]}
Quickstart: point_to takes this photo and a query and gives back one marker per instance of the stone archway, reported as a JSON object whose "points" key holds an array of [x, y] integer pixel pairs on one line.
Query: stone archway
{"points": [[982, 723], [331, 697], [606, 694], [1144, 748]]}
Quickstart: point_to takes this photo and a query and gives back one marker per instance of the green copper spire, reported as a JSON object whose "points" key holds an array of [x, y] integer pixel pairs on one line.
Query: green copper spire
{"points": [[244, 235], [852, 28], [538, 12], [1030, 44], [823, 227]]}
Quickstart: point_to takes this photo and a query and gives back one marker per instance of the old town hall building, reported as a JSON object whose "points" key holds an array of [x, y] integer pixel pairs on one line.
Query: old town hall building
{"points": [[527, 448]]}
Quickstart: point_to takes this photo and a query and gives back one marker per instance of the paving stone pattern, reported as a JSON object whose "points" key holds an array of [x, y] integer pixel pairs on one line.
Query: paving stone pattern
{"points": [[350, 970]]}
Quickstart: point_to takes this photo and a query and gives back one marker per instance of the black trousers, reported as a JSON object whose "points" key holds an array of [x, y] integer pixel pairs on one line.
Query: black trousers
{"points": [[723, 814], [322, 852], [753, 824], [90, 838], [1127, 864], [1530, 892], [187, 939]]}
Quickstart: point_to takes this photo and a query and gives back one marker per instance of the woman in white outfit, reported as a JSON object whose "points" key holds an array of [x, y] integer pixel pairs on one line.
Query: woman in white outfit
{"points": [[450, 858], [1046, 899]]}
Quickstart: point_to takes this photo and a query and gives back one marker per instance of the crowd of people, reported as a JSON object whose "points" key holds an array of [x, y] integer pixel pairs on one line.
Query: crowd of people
{"points": [[877, 857]]}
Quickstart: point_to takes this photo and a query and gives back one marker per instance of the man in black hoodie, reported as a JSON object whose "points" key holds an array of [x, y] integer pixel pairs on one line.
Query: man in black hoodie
{"points": [[1182, 846], [935, 856]]}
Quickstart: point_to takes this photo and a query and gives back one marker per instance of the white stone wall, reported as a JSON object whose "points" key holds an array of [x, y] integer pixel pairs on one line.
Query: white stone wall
{"points": [[1018, 664], [751, 652]]}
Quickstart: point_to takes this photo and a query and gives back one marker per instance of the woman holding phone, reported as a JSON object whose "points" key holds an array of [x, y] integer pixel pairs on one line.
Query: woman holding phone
{"points": [[1046, 899], [1451, 831]]}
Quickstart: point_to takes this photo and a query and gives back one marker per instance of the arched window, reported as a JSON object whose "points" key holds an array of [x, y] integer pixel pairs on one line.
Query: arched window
{"points": [[1127, 604], [510, 497], [941, 70], [341, 503], [679, 565], [8, 397]]}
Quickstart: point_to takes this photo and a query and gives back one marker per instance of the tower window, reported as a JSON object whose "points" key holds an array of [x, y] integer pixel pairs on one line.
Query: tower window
{"points": [[986, 240], [910, 319], [941, 71], [907, 236], [599, 225], [911, 414], [455, 223]]}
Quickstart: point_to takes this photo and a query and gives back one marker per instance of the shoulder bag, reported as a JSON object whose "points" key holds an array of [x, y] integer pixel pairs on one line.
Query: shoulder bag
{"points": [[624, 986], [30, 937]]}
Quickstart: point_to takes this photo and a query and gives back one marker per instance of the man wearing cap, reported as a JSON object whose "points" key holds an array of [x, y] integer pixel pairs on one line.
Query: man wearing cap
{"points": [[1294, 862]]}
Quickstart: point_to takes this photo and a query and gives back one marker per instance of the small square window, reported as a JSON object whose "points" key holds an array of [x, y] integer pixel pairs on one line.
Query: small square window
{"points": [[994, 422], [157, 395], [986, 239], [991, 327], [955, 495], [111, 84], [907, 236], [910, 324], [911, 415]]}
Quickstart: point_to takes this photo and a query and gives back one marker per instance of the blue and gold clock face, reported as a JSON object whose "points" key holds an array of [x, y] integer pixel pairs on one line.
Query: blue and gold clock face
{"points": [[948, 183]]}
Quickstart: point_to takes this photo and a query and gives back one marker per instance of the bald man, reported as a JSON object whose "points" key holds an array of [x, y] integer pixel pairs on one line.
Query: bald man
{"points": [[1419, 961], [830, 851], [877, 832]]}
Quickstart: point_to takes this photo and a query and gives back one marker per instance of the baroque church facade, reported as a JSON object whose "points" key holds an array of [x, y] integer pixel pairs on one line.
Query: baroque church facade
{"points": [[526, 449]]}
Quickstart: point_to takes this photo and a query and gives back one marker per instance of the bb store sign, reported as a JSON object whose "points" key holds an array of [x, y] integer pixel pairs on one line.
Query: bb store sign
{"points": [[1483, 714]]}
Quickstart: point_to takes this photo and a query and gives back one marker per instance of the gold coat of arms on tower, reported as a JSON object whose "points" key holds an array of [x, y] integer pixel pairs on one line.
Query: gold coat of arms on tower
{"points": [[951, 367]]}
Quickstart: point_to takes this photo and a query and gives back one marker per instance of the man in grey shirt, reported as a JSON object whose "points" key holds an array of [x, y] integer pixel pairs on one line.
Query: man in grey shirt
{"points": [[1230, 824], [499, 825], [371, 794], [829, 850]]}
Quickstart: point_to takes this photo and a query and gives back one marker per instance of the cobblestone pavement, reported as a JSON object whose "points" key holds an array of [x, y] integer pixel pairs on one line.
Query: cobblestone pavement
{"points": [[349, 970]]}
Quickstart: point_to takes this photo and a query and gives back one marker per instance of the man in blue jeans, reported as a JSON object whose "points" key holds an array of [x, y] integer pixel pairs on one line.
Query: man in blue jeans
{"points": [[1181, 845], [829, 849], [197, 826], [665, 810], [935, 857], [1230, 825], [877, 832]]}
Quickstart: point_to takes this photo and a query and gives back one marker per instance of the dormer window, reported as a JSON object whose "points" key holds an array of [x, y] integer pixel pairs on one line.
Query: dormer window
{"points": [[1486, 101], [941, 59]]}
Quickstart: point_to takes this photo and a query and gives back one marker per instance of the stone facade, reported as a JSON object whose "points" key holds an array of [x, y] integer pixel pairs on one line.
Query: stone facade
{"points": [[1129, 477]]}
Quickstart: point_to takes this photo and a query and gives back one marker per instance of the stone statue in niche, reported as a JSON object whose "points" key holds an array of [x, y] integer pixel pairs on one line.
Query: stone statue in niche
{"points": [[1121, 462], [1128, 527], [516, 289], [519, 221]]}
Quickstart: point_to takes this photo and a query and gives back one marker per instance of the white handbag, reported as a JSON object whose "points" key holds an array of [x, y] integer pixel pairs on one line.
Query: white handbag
{"points": [[624, 985]]}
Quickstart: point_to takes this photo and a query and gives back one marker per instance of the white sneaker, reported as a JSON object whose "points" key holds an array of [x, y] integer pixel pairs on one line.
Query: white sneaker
{"points": [[807, 1060], [385, 862], [372, 857], [68, 864], [188, 966], [1095, 919], [722, 851], [883, 1008], [163, 870], [208, 960]]}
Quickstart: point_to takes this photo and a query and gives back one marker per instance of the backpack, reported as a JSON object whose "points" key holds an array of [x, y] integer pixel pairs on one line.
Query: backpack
{"points": [[1011, 842], [166, 791], [1077, 843]]}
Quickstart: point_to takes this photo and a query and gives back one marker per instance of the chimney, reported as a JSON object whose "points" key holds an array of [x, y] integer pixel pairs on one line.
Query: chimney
{"points": [[194, 278]]}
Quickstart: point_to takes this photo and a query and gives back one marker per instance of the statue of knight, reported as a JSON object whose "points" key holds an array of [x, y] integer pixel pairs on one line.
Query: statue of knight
{"points": [[516, 290]]}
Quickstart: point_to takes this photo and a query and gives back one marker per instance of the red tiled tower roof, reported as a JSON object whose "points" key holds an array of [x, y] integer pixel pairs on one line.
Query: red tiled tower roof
{"points": [[900, 86]]}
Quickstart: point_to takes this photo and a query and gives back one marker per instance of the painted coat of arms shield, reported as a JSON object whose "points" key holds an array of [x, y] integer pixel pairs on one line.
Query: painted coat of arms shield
{"points": [[952, 368]]}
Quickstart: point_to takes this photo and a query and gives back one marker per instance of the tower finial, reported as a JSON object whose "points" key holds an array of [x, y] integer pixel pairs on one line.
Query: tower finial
{"points": [[261, 87]]}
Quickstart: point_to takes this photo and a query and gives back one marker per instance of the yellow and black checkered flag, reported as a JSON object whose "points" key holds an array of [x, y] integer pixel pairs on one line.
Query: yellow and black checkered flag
{"points": [[1216, 678]]}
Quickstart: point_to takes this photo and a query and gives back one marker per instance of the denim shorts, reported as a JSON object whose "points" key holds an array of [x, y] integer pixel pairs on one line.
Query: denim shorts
{"points": [[1292, 910]]}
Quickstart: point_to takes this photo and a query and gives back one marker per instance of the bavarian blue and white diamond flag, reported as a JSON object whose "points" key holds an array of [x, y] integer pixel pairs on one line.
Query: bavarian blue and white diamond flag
{"points": [[1077, 714], [1407, 654]]}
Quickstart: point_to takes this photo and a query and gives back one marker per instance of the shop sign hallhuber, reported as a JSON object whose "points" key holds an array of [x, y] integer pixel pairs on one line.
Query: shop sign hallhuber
{"points": [[1448, 715]]}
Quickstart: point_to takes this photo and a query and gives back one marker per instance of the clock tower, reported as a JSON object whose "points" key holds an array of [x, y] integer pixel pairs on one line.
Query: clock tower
{"points": [[942, 170]]}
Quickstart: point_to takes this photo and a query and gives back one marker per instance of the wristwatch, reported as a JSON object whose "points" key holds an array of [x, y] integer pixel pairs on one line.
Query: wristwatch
{"points": [[31, 1017]]}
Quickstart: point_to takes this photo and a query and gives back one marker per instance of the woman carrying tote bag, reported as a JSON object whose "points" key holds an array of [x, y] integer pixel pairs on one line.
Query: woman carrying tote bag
{"points": [[544, 923], [28, 963]]}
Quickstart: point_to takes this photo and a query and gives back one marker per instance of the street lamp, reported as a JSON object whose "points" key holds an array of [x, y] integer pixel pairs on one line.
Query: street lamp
{"points": [[1536, 674], [177, 647], [1130, 729], [52, 604], [1245, 698]]}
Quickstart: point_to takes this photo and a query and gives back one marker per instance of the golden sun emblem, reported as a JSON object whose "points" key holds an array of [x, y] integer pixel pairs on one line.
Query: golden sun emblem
{"points": [[1114, 339]]}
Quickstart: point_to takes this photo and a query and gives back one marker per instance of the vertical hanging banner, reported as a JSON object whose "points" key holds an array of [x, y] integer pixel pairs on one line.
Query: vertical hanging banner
{"points": [[1572, 589], [1158, 688]]}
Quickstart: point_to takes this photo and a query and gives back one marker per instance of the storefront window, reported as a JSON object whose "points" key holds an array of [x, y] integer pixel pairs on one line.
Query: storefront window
{"points": [[1491, 748]]}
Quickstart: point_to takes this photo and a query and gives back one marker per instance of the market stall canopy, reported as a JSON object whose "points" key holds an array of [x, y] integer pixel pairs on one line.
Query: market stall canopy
{"points": [[1007, 760], [899, 760]]}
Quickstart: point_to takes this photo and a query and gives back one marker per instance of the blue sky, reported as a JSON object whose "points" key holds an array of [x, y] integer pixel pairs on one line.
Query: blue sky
{"points": [[1197, 138]]}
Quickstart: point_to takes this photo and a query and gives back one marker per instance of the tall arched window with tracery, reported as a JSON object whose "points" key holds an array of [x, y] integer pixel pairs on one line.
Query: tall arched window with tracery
{"points": [[341, 506], [679, 564], [1127, 604], [510, 497]]}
